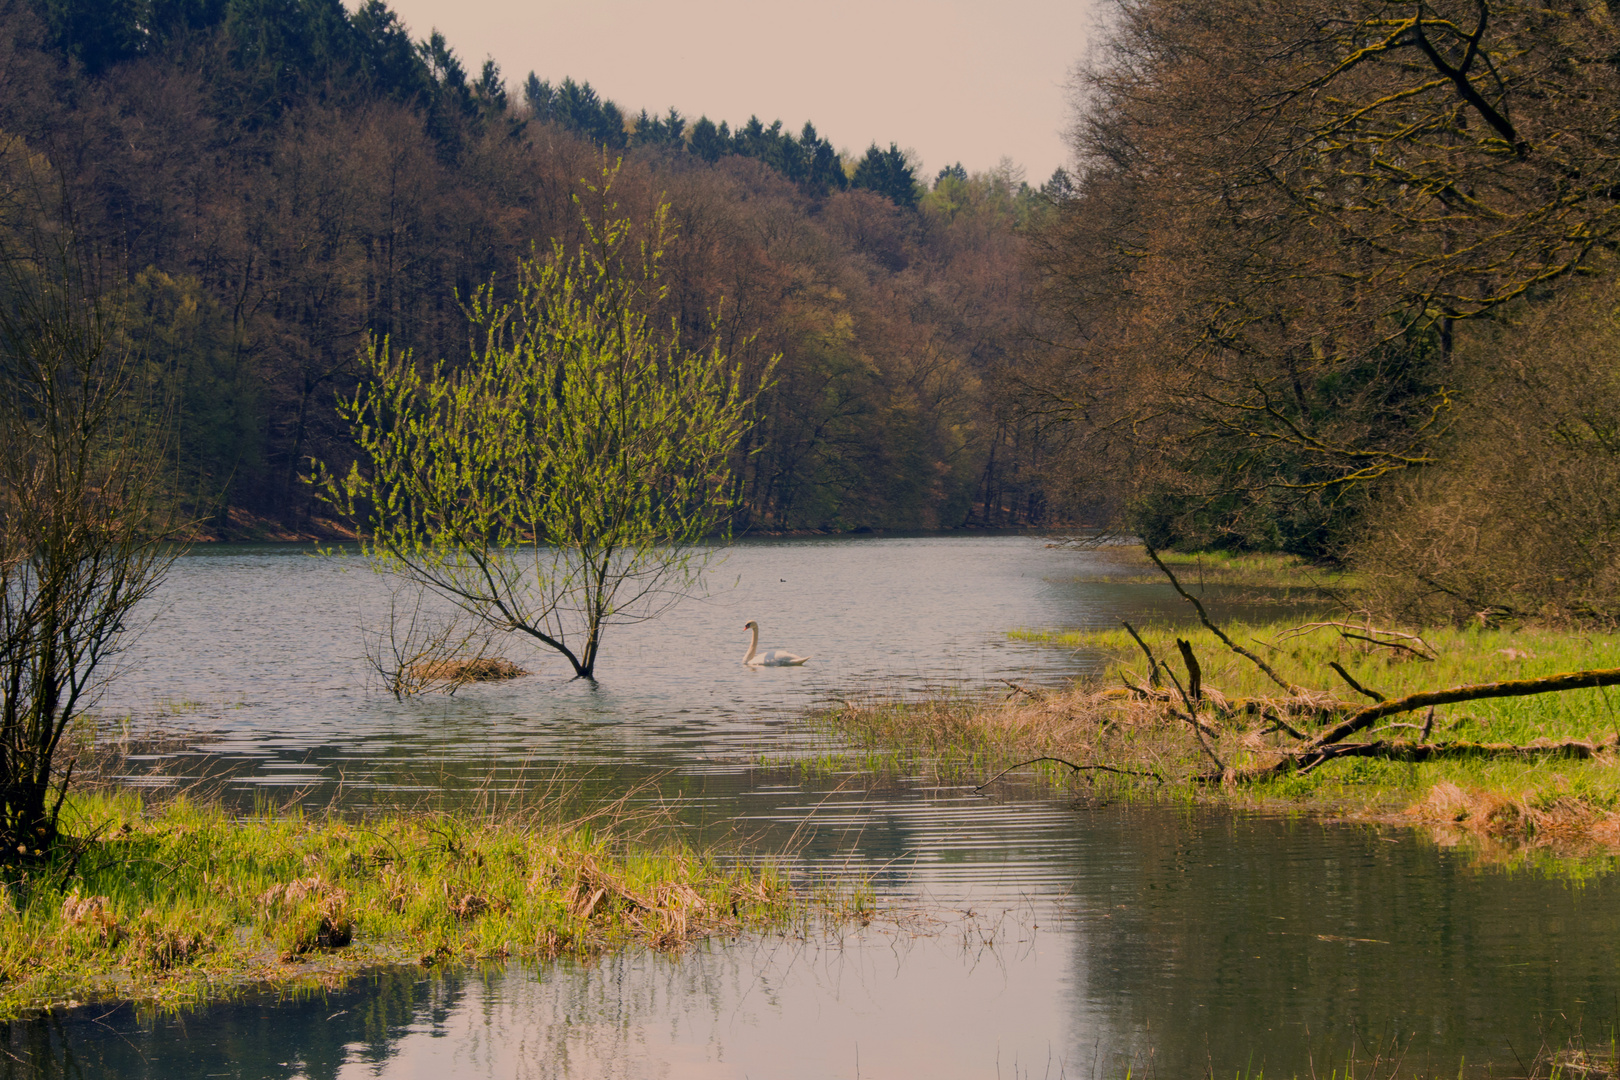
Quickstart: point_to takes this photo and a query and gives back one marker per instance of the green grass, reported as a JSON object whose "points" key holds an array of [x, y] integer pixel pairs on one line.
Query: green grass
{"points": [[175, 904], [1254, 570], [1460, 656]]}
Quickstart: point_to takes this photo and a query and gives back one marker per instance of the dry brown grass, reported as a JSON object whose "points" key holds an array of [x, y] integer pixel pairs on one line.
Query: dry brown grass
{"points": [[451, 673], [1564, 823], [1094, 729]]}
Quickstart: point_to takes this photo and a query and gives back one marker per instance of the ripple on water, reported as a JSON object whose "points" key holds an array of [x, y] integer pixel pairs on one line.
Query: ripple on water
{"points": [[1032, 936]]}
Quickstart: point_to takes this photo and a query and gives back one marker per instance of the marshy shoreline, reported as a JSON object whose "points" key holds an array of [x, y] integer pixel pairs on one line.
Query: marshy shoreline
{"points": [[1509, 773], [178, 903]]}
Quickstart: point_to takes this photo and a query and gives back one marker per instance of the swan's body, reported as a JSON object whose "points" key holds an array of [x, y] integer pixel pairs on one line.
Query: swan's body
{"points": [[770, 657]]}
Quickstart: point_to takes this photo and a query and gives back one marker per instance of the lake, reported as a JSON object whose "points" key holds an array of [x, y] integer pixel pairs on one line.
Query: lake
{"points": [[1022, 935]]}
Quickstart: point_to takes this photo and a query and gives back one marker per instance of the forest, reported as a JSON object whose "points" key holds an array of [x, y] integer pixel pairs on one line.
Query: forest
{"points": [[268, 185], [1338, 279], [1330, 280]]}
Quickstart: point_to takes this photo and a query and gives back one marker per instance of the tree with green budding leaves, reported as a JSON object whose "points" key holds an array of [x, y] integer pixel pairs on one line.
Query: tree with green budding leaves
{"points": [[573, 473]]}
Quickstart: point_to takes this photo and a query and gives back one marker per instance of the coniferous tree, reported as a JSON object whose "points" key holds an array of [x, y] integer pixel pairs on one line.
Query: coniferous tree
{"points": [[388, 62], [707, 142], [539, 96], [96, 33], [889, 174], [490, 90], [1060, 187]]}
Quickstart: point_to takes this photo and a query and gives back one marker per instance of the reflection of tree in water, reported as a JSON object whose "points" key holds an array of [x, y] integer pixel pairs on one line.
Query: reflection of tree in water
{"points": [[1197, 940], [1236, 943], [311, 1036]]}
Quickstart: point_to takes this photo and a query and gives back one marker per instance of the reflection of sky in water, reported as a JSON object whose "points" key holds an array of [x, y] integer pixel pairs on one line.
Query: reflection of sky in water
{"points": [[1170, 939], [1160, 940], [254, 656]]}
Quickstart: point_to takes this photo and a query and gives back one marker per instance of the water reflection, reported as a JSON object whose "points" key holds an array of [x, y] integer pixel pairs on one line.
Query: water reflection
{"points": [[1178, 942], [253, 665], [1100, 939]]}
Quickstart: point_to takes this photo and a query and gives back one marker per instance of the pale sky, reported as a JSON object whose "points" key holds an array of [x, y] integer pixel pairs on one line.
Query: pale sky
{"points": [[949, 79]]}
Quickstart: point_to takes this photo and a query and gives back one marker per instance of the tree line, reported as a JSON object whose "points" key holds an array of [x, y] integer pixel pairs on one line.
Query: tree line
{"points": [[282, 183], [1337, 279]]}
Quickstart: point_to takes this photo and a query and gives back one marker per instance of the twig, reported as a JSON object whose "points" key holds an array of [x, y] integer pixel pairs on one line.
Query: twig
{"points": [[1357, 687], [1427, 651], [1388, 727], [1282, 725], [1388, 645], [1072, 765], [1153, 663], [1152, 695], [1033, 695], [1203, 617]]}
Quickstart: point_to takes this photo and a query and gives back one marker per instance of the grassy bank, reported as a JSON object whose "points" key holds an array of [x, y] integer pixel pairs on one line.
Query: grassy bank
{"points": [[1544, 795], [171, 905], [1270, 571]]}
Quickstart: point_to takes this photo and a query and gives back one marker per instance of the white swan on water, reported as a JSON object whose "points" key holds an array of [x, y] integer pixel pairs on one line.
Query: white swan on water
{"points": [[770, 657]]}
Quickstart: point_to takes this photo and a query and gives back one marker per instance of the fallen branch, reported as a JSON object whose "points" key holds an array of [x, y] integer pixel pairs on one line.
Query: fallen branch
{"points": [[1388, 645], [1077, 768], [1033, 695], [1425, 652], [1280, 724], [1570, 680], [1203, 617], [1144, 691], [1153, 662], [1305, 761], [1401, 750], [1357, 687]]}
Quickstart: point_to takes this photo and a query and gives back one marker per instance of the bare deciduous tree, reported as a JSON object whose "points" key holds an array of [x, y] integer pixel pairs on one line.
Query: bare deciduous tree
{"points": [[85, 513], [1284, 211]]}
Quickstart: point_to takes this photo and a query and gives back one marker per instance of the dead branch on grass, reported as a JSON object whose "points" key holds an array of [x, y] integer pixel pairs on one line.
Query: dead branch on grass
{"points": [[1153, 661], [1017, 688], [1360, 632], [1077, 768], [1330, 744], [1357, 687], [1203, 617], [1343, 719]]}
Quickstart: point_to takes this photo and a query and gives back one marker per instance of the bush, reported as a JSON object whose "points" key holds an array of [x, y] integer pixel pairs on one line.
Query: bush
{"points": [[1523, 517]]}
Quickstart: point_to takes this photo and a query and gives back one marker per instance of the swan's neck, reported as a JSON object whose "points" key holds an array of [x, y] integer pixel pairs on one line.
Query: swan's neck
{"points": [[753, 643]]}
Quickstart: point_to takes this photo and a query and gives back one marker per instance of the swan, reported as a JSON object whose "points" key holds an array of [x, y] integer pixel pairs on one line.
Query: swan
{"points": [[770, 657]]}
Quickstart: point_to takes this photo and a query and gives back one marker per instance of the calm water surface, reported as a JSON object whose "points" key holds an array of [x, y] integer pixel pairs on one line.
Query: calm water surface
{"points": [[1030, 936]]}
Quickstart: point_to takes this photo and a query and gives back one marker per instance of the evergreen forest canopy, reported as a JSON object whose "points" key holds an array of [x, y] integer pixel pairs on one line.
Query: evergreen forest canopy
{"points": [[281, 181], [1339, 278]]}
